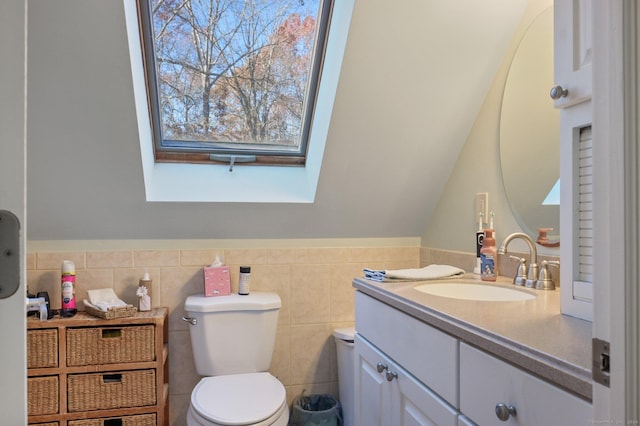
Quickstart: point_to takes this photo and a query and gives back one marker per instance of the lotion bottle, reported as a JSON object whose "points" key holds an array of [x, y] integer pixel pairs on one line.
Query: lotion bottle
{"points": [[489, 257], [144, 293]]}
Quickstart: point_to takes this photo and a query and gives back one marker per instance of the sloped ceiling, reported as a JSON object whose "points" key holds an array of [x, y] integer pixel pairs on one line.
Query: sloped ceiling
{"points": [[414, 76]]}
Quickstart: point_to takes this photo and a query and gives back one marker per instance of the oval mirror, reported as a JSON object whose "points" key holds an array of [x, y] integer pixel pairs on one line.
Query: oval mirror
{"points": [[530, 133]]}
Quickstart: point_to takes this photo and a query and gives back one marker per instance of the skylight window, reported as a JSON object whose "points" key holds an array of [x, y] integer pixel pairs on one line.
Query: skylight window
{"points": [[233, 78]]}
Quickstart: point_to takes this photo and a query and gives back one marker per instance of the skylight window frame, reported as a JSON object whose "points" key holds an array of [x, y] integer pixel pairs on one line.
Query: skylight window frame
{"points": [[173, 151]]}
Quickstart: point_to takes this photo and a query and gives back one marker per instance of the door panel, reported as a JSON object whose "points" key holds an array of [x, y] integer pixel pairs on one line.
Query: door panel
{"points": [[12, 198]]}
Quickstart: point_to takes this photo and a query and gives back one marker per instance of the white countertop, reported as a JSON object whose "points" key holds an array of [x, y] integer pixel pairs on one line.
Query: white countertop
{"points": [[531, 334]]}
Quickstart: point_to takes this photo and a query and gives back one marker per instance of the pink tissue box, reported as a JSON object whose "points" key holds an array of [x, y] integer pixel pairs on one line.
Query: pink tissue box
{"points": [[217, 281]]}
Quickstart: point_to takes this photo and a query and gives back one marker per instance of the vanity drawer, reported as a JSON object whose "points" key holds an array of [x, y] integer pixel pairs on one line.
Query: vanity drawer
{"points": [[118, 389], [110, 345], [429, 354], [486, 381]]}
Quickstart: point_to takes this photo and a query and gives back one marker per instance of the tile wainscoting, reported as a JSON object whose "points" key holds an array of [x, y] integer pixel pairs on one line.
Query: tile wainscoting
{"points": [[313, 282]]}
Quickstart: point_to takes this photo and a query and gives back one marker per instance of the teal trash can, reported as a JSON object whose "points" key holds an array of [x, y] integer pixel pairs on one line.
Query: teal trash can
{"points": [[315, 410]]}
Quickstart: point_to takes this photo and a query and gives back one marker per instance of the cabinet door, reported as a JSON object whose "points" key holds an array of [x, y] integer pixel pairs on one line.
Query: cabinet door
{"points": [[389, 395], [486, 381], [464, 421], [414, 404], [372, 391], [573, 50]]}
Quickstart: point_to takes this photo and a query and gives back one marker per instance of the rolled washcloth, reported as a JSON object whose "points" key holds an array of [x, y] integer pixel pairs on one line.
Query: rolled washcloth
{"points": [[431, 272]]}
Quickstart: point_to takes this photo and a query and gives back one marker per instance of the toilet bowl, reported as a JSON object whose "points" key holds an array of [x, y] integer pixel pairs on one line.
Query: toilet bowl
{"points": [[232, 338], [257, 399], [346, 388]]}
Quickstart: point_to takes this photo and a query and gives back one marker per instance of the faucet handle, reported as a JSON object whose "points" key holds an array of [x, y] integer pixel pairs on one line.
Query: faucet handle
{"points": [[545, 282], [532, 276], [521, 275]]}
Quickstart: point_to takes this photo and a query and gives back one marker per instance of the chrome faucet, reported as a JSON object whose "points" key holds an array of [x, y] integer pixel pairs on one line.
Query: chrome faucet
{"points": [[532, 270]]}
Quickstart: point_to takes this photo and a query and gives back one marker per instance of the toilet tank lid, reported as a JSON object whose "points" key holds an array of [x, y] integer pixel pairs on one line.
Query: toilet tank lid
{"points": [[255, 301]]}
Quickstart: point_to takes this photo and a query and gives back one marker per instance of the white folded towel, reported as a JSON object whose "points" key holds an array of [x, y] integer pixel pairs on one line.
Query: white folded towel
{"points": [[103, 299], [431, 272]]}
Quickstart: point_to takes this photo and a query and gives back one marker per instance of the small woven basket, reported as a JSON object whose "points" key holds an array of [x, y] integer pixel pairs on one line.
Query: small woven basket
{"points": [[110, 345], [42, 348], [42, 395], [113, 312], [140, 420], [103, 391]]}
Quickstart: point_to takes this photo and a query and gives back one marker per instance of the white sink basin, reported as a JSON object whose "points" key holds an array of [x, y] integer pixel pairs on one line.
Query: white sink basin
{"points": [[478, 292]]}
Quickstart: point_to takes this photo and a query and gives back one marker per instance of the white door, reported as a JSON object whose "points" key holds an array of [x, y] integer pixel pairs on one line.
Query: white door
{"points": [[612, 60], [573, 70], [12, 198], [615, 185]]}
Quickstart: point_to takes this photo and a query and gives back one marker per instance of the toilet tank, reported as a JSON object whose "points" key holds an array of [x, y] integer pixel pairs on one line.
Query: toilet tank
{"points": [[233, 334]]}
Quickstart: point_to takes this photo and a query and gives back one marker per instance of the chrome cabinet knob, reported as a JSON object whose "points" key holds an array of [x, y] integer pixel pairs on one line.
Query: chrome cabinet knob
{"points": [[381, 367], [558, 92], [391, 375], [504, 411]]}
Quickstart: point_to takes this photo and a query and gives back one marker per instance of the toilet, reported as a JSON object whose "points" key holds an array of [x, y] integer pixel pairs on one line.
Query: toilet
{"points": [[345, 356], [232, 339]]}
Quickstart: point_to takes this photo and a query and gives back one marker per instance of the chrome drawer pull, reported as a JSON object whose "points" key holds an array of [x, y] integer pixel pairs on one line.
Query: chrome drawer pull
{"points": [[504, 411]]}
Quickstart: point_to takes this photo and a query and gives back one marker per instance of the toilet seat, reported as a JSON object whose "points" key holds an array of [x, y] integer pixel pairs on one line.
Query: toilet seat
{"points": [[239, 399]]}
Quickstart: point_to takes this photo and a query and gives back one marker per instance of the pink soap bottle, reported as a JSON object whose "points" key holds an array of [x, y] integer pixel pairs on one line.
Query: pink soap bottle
{"points": [[488, 257]]}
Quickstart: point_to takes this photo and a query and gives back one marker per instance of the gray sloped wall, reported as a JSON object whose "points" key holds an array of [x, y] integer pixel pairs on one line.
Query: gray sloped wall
{"points": [[414, 77]]}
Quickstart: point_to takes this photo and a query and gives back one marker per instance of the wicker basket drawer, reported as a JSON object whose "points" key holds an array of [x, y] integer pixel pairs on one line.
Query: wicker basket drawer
{"points": [[42, 348], [45, 424], [139, 420], [103, 391], [42, 395], [110, 345]]}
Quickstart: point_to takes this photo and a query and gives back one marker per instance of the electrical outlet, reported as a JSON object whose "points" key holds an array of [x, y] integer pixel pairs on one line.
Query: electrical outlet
{"points": [[482, 206]]}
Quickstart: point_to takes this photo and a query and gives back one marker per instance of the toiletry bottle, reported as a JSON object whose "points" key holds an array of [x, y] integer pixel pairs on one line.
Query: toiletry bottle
{"points": [[479, 239], [495, 234], [489, 257], [68, 282], [144, 293], [243, 282]]}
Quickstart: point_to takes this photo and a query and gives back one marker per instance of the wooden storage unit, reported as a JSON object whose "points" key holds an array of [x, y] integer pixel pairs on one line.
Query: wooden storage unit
{"points": [[88, 371]]}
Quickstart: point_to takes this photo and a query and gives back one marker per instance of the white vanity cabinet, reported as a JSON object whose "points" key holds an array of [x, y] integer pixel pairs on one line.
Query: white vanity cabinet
{"points": [[486, 381], [406, 371]]}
